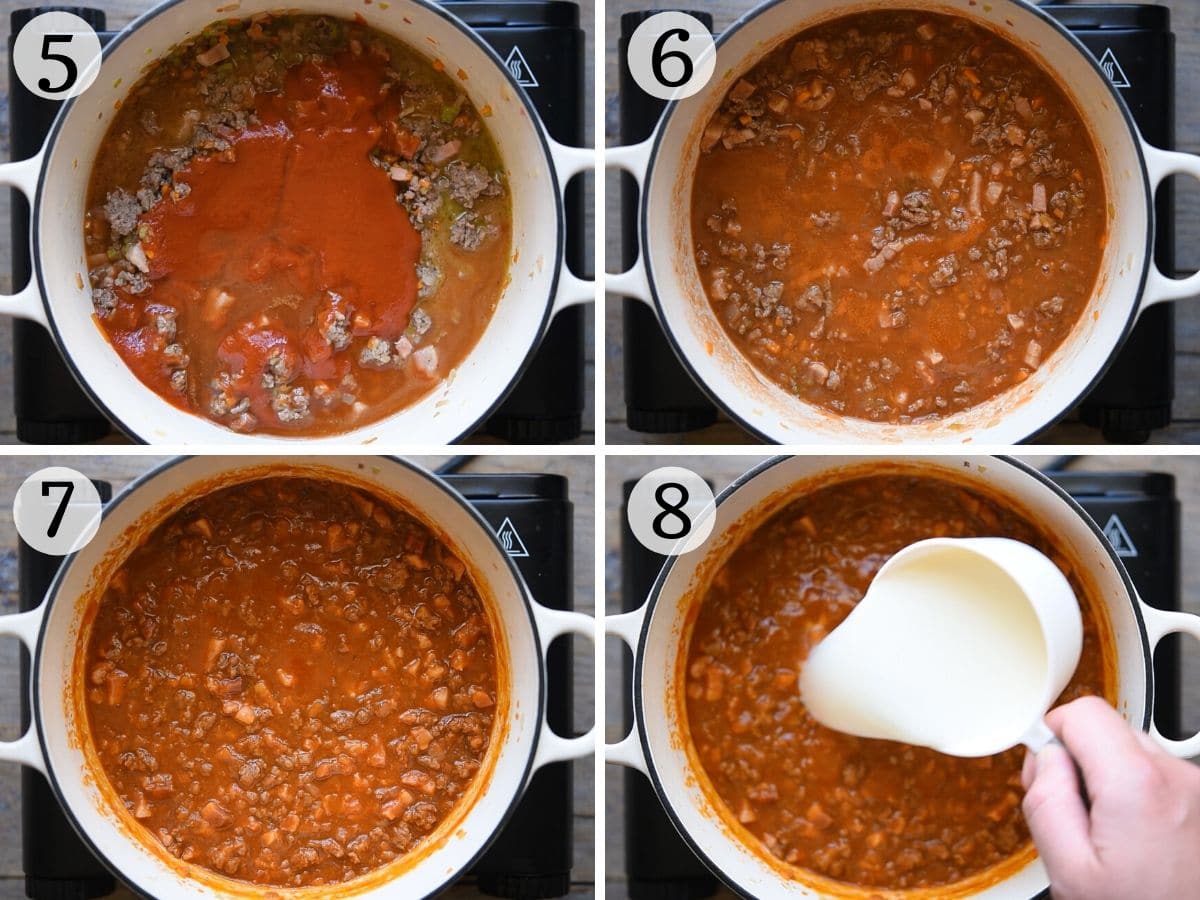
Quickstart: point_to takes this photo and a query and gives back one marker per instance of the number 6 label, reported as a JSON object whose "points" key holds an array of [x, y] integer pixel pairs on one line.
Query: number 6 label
{"points": [[671, 511], [671, 55], [57, 55], [57, 510]]}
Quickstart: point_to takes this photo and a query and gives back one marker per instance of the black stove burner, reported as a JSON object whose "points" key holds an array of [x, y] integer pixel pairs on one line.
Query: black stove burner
{"points": [[1140, 516], [1136, 47], [530, 858], [542, 45]]}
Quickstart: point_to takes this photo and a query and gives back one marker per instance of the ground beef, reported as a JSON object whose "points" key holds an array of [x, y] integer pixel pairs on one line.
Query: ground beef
{"points": [[468, 182], [164, 322], [470, 231], [422, 205], [1051, 307], [817, 296], [122, 209], [222, 400], [175, 355], [104, 300], [917, 209], [429, 276], [945, 272], [282, 364], [335, 323], [420, 322], [244, 422], [376, 353], [133, 282], [290, 406], [160, 175]]}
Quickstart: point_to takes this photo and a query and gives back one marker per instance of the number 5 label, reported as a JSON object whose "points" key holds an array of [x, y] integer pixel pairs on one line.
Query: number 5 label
{"points": [[671, 511], [57, 55], [57, 510], [671, 55]]}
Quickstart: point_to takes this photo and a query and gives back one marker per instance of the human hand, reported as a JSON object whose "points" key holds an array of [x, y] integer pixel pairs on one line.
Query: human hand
{"points": [[1141, 835]]}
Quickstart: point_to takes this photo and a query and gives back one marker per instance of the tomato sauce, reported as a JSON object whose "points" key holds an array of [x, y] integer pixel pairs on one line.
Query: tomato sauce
{"points": [[297, 225], [301, 211]]}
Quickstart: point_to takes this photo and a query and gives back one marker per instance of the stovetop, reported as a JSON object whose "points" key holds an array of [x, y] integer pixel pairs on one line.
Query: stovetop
{"points": [[542, 45], [531, 857], [1137, 511], [1135, 46]]}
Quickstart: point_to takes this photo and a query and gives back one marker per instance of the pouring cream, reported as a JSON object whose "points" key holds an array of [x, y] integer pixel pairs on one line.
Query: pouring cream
{"points": [[960, 645]]}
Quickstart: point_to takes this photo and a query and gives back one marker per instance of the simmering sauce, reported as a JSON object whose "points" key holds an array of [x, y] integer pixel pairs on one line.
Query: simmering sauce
{"points": [[871, 813], [291, 682], [297, 226], [898, 216]]}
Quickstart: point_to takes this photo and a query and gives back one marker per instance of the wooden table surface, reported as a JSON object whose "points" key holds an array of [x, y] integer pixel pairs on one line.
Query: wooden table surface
{"points": [[1185, 18], [722, 470], [119, 470], [120, 13]]}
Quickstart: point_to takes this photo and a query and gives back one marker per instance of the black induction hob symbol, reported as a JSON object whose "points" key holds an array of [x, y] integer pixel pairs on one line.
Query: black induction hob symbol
{"points": [[518, 66], [510, 540], [1119, 537], [1112, 68]]}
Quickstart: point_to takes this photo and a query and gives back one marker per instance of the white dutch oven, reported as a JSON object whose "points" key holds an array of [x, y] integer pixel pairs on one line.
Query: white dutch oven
{"points": [[655, 632], [524, 741], [665, 275], [538, 168]]}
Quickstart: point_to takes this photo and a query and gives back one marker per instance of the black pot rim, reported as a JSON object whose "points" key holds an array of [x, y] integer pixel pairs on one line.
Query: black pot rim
{"points": [[644, 232], [454, 496], [639, 712], [49, 145]]}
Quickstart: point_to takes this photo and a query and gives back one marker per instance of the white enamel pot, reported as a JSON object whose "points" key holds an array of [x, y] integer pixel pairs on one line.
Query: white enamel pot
{"points": [[55, 182], [665, 275], [523, 741], [656, 745]]}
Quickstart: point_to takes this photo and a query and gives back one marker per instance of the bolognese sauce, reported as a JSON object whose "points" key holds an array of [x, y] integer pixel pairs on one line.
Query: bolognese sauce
{"points": [[291, 682], [898, 215], [872, 813]]}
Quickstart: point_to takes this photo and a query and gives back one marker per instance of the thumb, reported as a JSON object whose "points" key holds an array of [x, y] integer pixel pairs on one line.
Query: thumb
{"points": [[1056, 815]]}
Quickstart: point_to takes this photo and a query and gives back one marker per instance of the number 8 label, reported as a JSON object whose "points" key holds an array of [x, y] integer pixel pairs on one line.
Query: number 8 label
{"points": [[671, 55], [57, 55], [671, 511]]}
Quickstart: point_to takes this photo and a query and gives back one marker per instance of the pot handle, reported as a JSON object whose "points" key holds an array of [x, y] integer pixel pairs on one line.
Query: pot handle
{"points": [[1161, 164], [26, 749], [552, 623], [27, 302], [633, 283], [569, 162], [627, 751], [1160, 623]]}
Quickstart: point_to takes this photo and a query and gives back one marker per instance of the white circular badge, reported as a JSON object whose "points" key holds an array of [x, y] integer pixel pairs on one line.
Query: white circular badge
{"points": [[671, 55], [57, 55], [57, 510], [671, 511]]}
